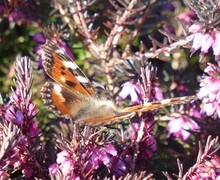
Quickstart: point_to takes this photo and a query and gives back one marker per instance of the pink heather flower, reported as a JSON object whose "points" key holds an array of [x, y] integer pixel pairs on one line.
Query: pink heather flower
{"points": [[158, 93], [11, 115], [120, 167], [187, 17], [53, 169], [4, 175], [205, 40], [216, 44], [180, 126], [209, 91], [206, 28], [64, 163], [208, 169], [133, 90], [67, 167], [20, 112], [100, 156], [63, 156]]}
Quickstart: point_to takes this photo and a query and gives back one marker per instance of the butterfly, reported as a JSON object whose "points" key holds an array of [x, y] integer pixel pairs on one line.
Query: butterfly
{"points": [[72, 94]]}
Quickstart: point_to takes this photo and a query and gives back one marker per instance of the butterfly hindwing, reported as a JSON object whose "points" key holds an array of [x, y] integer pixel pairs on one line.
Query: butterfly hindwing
{"points": [[61, 68], [60, 100]]}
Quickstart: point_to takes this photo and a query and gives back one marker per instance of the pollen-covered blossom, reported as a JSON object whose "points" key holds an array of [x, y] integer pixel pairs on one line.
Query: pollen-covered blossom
{"points": [[181, 126], [206, 30], [209, 91]]}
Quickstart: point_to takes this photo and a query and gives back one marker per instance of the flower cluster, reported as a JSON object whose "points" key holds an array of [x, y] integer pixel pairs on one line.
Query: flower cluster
{"points": [[207, 164], [142, 84], [208, 169], [182, 124], [209, 91], [93, 157], [206, 31]]}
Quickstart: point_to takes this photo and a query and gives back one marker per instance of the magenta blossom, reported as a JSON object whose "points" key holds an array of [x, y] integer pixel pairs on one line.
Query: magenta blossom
{"points": [[209, 91], [187, 17], [24, 12], [205, 40], [64, 164], [181, 125], [100, 156], [133, 90], [205, 31]]}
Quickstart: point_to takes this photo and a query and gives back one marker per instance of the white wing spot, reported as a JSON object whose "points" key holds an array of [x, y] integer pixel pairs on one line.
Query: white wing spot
{"points": [[57, 88], [70, 64], [82, 79]]}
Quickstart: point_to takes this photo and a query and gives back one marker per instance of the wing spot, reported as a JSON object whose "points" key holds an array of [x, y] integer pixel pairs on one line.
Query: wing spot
{"points": [[63, 73], [71, 84], [62, 67]]}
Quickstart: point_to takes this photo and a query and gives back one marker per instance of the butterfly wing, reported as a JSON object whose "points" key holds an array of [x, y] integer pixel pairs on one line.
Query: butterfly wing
{"points": [[109, 119], [159, 104], [62, 69], [60, 100]]}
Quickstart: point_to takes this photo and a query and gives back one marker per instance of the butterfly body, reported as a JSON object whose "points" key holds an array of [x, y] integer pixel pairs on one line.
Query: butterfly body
{"points": [[72, 95]]}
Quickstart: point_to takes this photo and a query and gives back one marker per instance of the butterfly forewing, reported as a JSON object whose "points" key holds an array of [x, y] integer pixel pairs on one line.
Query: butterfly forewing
{"points": [[62, 69]]}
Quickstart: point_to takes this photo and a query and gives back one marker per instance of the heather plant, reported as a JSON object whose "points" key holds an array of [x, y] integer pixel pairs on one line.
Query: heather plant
{"points": [[134, 52]]}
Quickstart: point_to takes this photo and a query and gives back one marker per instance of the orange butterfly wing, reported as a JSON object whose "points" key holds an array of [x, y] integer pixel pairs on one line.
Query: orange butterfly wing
{"points": [[62, 69], [60, 100]]}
